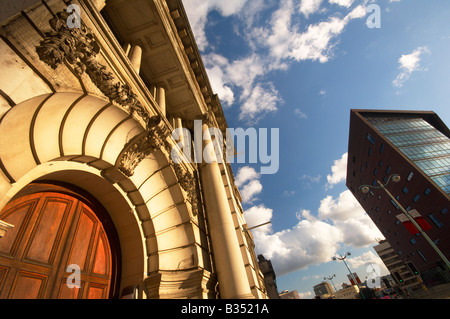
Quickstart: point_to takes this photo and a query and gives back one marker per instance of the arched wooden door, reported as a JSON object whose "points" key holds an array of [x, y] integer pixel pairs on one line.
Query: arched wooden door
{"points": [[53, 230]]}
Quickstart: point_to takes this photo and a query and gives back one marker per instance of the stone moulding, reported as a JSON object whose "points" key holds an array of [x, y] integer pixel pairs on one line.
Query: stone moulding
{"points": [[78, 47]]}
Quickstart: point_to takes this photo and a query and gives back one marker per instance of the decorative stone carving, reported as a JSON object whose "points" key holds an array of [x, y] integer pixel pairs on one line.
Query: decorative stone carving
{"points": [[135, 153], [78, 47], [189, 183]]}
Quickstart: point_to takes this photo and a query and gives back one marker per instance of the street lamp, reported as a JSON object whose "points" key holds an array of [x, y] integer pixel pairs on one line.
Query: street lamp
{"points": [[331, 279], [343, 259], [396, 178], [351, 274]]}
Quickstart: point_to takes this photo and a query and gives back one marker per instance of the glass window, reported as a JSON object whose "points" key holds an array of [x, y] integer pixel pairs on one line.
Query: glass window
{"points": [[410, 176], [382, 148], [388, 169], [416, 198], [370, 138], [427, 191], [444, 211], [405, 190], [412, 241], [435, 221], [421, 255]]}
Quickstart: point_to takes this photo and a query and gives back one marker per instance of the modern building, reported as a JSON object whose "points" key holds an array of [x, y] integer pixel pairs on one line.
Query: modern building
{"points": [[400, 272], [323, 290], [416, 146], [91, 180], [270, 279]]}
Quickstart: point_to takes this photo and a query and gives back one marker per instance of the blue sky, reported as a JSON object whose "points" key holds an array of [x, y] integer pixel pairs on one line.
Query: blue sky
{"points": [[300, 66]]}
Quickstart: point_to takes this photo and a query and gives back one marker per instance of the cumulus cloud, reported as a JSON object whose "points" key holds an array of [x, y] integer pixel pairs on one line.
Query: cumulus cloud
{"points": [[272, 46], [339, 221], [339, 172], [308, 7], [343, 3], [409, 63], [245, 174]]}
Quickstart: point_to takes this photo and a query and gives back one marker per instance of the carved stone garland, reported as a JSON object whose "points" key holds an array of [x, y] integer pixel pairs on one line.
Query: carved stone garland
{"points": [[78, 47]]}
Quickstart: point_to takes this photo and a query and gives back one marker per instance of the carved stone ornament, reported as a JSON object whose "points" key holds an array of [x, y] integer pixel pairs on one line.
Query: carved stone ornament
{"points": [[78, 47], [189, 183], [135, 153]]}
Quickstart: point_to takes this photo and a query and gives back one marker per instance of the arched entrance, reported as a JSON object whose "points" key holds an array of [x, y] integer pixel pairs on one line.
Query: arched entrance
{"points": [[54, 227]]}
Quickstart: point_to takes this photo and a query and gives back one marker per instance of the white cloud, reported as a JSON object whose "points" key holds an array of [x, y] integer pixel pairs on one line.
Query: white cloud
{"points": [[339, 222], [308, 7], [343, 3], [247, 179], [250, 190], [260, 102], [245, 174], [348, 216], [339, 172], [258, 215], [272, 47], [300, 114], [285, 41], [369, 259], [409, 63]]}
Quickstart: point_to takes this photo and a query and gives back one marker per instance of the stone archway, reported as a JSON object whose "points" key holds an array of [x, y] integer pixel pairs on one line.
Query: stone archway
{"points": [[82, 140]]}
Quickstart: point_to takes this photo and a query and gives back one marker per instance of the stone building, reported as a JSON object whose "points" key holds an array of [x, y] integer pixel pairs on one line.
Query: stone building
{"points": [[94, 199]]}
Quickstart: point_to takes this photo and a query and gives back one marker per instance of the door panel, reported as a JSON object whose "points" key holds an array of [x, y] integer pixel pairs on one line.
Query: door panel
{"points": [[53, 230]]}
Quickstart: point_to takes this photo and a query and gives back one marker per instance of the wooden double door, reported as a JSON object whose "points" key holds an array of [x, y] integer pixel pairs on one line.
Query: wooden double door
{"points": [[58, 249]]}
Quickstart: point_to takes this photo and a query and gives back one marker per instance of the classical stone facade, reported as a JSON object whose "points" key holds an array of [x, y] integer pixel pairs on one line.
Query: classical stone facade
{"points": [[90, 93]]}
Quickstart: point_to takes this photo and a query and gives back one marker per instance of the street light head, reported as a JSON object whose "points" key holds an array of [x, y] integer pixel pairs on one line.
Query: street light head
{"points": [[364, 189], [348, 253], [396, 178]]}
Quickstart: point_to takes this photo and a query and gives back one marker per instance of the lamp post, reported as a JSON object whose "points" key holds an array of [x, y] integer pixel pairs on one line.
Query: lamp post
{"points": [[396, 178], [351, 274], [331, 279], [343, 259]]}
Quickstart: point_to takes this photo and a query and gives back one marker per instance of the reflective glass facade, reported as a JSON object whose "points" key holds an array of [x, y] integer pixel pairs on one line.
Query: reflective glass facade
{"points": [[422, 143]]}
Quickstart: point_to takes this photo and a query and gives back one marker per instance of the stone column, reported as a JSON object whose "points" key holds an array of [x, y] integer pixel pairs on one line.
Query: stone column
{"points": [[136, 57], [161, 99], [228, 261]]}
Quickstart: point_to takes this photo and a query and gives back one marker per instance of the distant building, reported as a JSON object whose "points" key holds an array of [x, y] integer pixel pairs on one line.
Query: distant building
{"points": [[289, 294], [347, 292], [401, 274], [323, 290], [269, 277], [415, 145], [355, 275]]}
